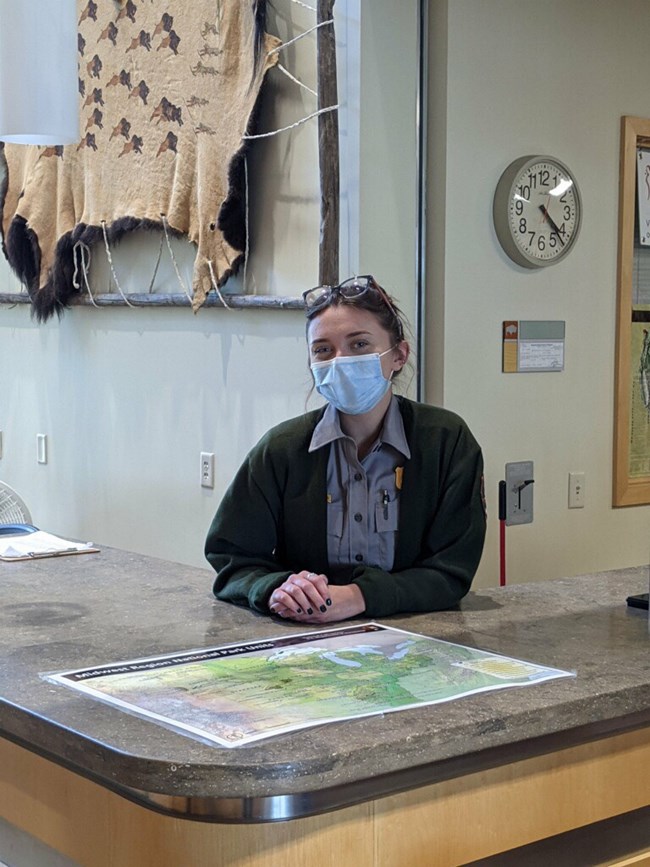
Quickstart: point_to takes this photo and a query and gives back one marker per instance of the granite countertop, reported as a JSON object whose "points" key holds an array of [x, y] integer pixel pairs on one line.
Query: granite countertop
{"points": [[75, 612]]}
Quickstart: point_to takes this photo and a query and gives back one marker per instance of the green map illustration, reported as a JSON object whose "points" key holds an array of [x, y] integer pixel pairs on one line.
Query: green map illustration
{"points": [[339, 674]]}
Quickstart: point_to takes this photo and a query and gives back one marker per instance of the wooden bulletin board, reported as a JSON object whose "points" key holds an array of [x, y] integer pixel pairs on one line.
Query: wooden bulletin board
{"points": [[632, 391]]}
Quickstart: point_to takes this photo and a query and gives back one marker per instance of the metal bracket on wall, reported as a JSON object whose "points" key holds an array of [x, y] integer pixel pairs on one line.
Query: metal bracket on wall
{"points": [[519, 493]]}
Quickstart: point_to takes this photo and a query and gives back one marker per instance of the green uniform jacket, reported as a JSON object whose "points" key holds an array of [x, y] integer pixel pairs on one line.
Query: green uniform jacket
{"points": [[272, 520]]}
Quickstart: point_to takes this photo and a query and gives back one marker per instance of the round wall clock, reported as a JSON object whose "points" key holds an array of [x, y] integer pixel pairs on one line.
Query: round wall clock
{"points": [[537, 211]]}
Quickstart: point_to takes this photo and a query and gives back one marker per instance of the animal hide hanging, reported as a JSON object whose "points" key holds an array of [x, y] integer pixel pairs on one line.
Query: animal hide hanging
{"points": [[166, 92]]}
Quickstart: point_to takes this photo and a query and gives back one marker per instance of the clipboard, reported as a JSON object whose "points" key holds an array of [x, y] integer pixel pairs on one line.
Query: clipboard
{"points": [[46, 554], [45, 545]]}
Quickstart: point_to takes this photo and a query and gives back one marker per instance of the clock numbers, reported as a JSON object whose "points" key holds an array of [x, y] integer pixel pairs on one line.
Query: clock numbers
{"points": [[536, 210], [543, 212]]}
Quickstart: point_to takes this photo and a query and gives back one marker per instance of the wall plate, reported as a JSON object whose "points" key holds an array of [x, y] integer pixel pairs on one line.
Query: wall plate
{"points": [[519, 493]]}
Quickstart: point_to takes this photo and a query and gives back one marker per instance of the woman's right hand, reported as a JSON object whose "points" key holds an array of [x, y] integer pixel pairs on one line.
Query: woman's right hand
{"points": [[302, 593]]}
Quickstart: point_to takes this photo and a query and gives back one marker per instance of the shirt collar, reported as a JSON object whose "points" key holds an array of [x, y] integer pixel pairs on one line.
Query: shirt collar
{"points": [[392, 433]]}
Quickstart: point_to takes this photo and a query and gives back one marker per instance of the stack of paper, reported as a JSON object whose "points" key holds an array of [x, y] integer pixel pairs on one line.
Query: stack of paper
{"points": [[40, 544]]}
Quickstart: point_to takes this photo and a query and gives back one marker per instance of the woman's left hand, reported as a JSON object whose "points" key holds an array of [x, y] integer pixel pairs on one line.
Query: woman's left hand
{"points": [[347, 601]]}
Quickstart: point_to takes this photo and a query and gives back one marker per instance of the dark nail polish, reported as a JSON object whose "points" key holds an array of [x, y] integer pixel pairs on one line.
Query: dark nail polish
{"points": [[323, 609], [299, 610], [328, 601], [309, 611]]}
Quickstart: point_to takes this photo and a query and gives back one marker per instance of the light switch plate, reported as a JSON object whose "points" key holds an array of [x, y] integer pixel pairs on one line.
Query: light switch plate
{"points": [[41, 448]]}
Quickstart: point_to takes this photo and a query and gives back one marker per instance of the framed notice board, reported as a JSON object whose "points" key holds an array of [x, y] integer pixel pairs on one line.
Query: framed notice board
{"points": [[632, 392]]}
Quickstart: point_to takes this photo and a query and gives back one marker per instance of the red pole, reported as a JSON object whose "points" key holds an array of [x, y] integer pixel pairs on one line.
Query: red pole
{"points": [[502, 534], [502, 553]]}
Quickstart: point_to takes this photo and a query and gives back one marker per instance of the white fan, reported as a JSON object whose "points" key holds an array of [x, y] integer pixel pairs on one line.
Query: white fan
{"points": [[12, 509]]}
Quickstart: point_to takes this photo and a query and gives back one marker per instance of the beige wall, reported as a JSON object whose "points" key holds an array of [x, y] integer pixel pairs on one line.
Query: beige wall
{"points": [[511, 78], [129, 398]]}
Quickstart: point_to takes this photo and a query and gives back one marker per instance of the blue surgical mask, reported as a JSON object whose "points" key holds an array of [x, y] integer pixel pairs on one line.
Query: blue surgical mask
{"points": [[354, 384]]}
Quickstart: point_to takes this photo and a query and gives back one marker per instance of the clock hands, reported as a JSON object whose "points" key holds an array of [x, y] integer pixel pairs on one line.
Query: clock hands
{"points": [[536, 211], [552, 223]]}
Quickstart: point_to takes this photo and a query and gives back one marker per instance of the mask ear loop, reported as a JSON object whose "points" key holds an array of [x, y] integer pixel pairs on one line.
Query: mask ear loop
{"points": [[395, 348]]}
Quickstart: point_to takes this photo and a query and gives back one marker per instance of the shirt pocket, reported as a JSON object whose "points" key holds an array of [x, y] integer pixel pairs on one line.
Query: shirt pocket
{"points": [[335, 519], [386, 516]]}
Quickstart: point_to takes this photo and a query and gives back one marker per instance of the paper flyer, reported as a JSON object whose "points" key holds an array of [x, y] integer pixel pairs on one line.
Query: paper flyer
{"points": [[242, 693]]}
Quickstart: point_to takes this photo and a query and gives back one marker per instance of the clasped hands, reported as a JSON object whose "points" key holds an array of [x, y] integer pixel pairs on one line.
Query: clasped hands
{"points": [[310, 598]]}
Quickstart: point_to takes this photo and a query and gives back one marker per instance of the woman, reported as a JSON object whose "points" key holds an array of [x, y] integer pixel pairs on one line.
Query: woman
{"points": [[371, 506]]}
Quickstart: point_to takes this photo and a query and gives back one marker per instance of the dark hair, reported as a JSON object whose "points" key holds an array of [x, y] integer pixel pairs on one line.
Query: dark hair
{"points": [[391, 320]]}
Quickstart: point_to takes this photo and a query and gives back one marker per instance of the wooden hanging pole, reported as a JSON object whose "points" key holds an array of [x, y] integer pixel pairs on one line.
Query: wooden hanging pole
{"points": [[328, 148]]}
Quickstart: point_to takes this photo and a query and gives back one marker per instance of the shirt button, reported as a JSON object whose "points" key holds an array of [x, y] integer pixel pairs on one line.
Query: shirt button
{"points": [[357, 477], [358, 557], [358, 517]]}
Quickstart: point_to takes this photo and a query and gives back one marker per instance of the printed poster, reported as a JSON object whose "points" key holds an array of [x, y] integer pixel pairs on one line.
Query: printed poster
{"points": [[643, 195], [242, 693], [639, 460]]}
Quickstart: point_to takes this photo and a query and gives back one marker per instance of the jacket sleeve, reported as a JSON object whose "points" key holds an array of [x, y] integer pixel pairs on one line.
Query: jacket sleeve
{"points": [[451, 549], [243, 536]]}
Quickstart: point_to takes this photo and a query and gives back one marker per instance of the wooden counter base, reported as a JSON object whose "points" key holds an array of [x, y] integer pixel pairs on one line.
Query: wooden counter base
{"points": [[448, 823]]}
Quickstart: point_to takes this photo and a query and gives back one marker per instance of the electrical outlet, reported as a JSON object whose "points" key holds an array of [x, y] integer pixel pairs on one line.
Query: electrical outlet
{"points": [[576, 490], [207, 470], [41, 448]]}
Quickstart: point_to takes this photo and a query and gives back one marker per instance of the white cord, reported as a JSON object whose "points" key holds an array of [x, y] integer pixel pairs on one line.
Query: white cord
{"points": [[173, 258], [216, 286], [300, 36], [110, 262], [81, 255], [293, 78], [293, 125], [155, 270], [246, 225], [304, 5]]}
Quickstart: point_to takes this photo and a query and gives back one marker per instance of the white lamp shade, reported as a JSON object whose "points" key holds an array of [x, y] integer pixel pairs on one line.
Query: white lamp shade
{"points": [[39, 97]]}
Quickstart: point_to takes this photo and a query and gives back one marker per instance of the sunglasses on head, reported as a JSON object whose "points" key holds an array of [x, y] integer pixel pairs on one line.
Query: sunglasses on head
{"points": [[355, 287]]}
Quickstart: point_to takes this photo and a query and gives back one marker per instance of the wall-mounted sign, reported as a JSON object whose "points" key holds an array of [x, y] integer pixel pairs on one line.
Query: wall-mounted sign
{"points": [[632, 393], [533, 346], [643, 194]]}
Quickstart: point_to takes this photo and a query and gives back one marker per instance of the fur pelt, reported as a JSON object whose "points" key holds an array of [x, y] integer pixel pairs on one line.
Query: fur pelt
{"points": [[166, 92]]}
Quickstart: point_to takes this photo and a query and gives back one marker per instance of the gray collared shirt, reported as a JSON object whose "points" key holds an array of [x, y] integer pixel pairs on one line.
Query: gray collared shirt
{"points": [[362, 496]]}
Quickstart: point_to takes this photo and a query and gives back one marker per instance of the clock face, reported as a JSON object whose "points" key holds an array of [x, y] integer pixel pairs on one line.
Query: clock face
{"points": [[537, 211]]}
